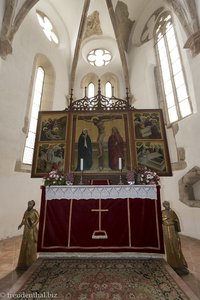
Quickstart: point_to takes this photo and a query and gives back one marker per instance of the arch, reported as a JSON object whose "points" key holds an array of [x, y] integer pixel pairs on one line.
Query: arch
{"points": [[171, 73], [42, 61], [112, 78], [90, 78]]}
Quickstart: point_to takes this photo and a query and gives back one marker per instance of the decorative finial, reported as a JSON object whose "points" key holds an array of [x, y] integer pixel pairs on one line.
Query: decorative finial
{"points": [[112, 91], [99, 86], [71, 97]]}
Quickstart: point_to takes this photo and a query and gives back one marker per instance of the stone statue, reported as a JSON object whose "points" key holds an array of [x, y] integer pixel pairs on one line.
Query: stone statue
{"points": [[28, 251], [93, 26], [125, 24], [171, 228]]}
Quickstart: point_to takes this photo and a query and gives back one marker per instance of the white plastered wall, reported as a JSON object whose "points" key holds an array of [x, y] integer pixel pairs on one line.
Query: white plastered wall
{"points": [[15, 73], [17, 188], [142, 61]]}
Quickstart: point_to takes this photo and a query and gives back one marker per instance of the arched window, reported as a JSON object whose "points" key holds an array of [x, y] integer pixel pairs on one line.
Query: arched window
{"points": [[109, 85], [176, 96], [108, 89], [37, 97], [90, 90], [41, 94]]}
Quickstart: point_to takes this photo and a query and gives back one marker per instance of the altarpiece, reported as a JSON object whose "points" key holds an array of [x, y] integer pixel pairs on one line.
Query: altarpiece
{"points": [[114, 130], [97, 137]]}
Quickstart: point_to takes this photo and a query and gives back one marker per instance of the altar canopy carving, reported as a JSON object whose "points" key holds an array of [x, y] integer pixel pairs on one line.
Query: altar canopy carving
{"points": [[100, 132], [99, 102]]}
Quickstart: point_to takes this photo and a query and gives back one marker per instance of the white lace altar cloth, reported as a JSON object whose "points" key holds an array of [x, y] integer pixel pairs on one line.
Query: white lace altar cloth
{"points": [[101, 192]]}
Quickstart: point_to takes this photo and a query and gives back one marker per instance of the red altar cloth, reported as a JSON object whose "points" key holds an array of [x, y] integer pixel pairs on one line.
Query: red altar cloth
{"points": [[68, 225]]}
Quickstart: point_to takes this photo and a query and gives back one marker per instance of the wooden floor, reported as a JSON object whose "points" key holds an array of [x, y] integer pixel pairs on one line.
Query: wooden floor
{"points": [[9, 252]]}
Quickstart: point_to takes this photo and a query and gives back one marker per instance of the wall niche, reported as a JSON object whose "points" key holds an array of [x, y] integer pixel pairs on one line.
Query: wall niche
{"points": [[189, 188]]}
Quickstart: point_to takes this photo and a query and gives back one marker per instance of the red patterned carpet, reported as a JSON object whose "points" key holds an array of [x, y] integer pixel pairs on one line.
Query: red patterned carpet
{"points": [[100, 279]]}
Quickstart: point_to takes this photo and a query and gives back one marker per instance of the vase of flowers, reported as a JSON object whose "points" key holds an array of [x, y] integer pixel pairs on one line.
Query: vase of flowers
{"points": [[57, 178], [69, 179], [54, 178], [130, 177], [147, 176]]}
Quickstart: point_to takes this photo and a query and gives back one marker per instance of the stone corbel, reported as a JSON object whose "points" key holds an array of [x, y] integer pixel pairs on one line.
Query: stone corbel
{"points": [[193, 43], [5, 48], [11, 23], [181, 164]]}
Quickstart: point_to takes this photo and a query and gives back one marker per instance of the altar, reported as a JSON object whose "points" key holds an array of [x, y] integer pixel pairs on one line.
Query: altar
{"points": [[110, 218]]}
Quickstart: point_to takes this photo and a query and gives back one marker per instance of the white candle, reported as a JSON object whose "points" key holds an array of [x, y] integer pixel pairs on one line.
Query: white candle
{"points": [[120, 163], [81, 164]]}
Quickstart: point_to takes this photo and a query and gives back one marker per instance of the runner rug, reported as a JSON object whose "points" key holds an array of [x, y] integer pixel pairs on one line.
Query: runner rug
{"points": [[101, 279]]}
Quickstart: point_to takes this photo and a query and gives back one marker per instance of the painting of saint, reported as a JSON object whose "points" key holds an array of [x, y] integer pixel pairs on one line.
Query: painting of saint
{"points": [[84, 150], [147, 126], [53, 128], [152, 155], [50, 157], [103, 131], [115, 149]]}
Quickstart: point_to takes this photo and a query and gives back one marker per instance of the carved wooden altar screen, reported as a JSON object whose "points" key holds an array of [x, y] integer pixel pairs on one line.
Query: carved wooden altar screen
{"points": [[115, 129]]}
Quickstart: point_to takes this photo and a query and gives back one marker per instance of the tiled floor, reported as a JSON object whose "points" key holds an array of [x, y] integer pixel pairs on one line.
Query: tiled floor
{"points": [[191, 251], [9, 252]]}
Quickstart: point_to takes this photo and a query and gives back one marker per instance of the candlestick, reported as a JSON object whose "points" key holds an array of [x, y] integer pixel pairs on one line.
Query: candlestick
{"points": [[120, 163], [120, 178], [81, 178], [81, 164]]}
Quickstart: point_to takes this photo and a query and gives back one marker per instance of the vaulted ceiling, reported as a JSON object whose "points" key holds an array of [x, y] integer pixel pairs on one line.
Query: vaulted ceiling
{"points": [[93, 24], [90, 24]]}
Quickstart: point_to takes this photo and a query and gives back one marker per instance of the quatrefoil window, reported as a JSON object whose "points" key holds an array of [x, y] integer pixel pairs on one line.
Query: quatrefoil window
{"points": [[99, 57], [47, 26]]}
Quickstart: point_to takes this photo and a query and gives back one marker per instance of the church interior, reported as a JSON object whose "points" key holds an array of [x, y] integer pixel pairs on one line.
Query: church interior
{"points": [[142, 55]]}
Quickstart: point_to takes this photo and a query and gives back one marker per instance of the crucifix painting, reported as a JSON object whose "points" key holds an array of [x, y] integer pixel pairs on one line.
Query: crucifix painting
{"points": [[101, 139]]}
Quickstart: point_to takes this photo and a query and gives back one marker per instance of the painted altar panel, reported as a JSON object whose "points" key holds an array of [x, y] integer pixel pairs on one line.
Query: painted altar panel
{"points": [[100, 137], [150, 141], [50, 149], [106, 140]]}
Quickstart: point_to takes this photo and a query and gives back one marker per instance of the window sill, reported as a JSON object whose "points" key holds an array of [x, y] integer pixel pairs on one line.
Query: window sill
{"points": [[21, 167]]}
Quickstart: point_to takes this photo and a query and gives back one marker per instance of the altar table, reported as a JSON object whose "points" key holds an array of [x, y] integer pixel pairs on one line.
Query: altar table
{"points": [[110, 218]]}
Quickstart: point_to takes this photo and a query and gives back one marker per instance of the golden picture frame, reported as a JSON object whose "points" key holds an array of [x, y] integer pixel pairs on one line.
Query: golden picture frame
{"points": [[150, 141], [50, 143], [101, 139]]}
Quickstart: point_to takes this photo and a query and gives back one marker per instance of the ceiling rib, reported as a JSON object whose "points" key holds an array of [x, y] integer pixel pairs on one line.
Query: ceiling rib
{"points": [[78, 43], [118, 38], [119, 43]]}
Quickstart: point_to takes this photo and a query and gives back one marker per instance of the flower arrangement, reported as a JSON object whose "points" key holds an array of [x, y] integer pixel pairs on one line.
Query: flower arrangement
{"points": [[142, 175], [147, 176], [56, 178]]}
